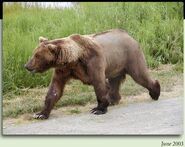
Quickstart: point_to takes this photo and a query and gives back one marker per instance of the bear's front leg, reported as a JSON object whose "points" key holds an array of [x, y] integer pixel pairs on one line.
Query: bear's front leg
{"points": [[98, 80], [54, 93], [102, 98]]}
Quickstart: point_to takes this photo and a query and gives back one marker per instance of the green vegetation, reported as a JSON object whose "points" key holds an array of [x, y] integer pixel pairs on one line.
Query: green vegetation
{"points": [[75, 111], [157, 26]]}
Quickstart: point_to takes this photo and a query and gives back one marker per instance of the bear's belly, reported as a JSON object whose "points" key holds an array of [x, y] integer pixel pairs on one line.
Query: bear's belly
{"points": [[80, 73], [83, 79], [114, 71], [115, 63]]}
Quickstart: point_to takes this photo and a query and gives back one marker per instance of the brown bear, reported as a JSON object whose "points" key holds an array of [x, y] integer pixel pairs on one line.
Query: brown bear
{"points": [[101, 60]]}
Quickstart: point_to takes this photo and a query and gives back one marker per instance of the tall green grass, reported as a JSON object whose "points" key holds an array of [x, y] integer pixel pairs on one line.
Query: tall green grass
{"points": [[158, 27]]}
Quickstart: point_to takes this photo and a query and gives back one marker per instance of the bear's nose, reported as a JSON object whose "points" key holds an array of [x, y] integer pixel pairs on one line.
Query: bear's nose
{"points": [[26, 66]]}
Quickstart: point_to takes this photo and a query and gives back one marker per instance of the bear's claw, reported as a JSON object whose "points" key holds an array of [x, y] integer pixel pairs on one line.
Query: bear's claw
{"points": [[40, 116], [98, 111]]}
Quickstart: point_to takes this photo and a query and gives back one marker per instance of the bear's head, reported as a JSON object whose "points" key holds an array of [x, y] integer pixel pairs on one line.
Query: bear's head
{"points": [[59, 52], [44, 56]]}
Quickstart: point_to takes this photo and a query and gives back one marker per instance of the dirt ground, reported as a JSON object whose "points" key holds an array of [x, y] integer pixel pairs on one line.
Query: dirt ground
{"points": [[136, 117], [177, 91]]}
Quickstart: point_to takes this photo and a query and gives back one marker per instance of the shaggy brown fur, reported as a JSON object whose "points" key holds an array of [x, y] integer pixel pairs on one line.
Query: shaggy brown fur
{"points": [[101, 60]]}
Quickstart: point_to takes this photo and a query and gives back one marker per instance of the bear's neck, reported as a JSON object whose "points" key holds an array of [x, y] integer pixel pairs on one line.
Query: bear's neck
{"points": [[70, 53]]}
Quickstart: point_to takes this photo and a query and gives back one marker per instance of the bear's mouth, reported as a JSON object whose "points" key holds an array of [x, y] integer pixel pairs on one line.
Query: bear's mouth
{"points": [[33, 71], [41, 70], [37, 71], [30, 69]]}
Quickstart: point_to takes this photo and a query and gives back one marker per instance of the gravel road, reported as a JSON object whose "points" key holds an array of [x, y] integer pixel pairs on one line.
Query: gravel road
{"points": [[164, 116]]}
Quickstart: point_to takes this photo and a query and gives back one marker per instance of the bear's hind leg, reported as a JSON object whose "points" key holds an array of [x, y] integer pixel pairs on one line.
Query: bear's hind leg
{"points": [[155, 91], [140, 75], [114, 96]]}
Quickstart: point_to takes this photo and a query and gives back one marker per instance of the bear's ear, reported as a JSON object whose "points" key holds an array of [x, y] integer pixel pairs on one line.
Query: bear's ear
{"points": [[42, 39], [52, 48]]}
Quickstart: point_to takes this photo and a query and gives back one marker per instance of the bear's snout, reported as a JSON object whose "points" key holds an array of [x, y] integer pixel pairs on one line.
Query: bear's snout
{"points": [[29, 68]]}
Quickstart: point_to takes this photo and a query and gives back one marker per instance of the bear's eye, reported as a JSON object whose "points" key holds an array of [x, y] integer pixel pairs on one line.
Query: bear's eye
{"points": [[37, 56]]}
